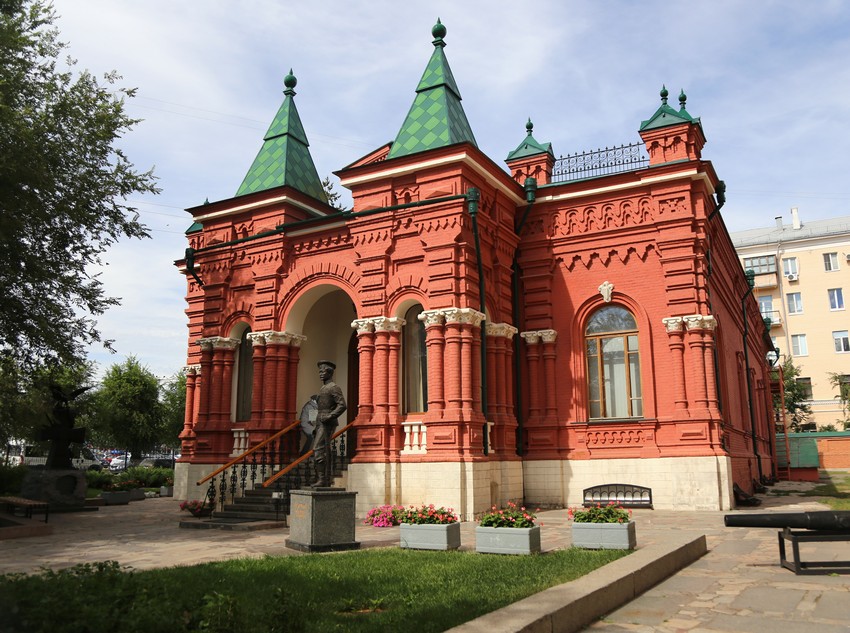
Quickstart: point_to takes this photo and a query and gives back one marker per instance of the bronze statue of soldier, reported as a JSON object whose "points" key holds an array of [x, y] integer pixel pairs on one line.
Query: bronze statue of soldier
{"points": [[331, 405]]}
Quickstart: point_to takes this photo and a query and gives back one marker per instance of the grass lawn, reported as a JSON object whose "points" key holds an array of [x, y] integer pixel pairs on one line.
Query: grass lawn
{"points": [[385, 589]]}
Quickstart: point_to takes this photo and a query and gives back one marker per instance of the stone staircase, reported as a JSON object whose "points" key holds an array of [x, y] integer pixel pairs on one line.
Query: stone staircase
{"points": [[260, 509]]}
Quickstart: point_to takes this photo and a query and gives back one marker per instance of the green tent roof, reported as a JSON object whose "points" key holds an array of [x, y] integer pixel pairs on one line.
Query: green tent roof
{"points": [[436, 118], [284, 158], [665, 115], [530, 146]]}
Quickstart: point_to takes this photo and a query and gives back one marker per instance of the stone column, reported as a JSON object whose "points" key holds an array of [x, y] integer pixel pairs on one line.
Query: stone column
{"points": [[475, 334], [381, 370], [675, 339], [393, 325], [258, 346], [709, 325], [495, 391], [278, 345], [532, 342], [225, 350], [466, 361], [290, 410], [204, 386], [434, 344], [191, 372], [452, 368], [365, 353], [547, 338], [697, 359]]}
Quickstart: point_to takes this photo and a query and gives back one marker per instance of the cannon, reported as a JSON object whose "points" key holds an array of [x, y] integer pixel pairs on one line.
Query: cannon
{"points": [[826, 521], [801, 527]]}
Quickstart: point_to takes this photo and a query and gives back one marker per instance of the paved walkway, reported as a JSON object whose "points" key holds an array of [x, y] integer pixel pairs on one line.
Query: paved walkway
{"points": [[738, 586]]}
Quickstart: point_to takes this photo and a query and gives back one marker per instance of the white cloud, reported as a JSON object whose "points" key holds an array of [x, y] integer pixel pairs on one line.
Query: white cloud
{"points": [[768, 79]]}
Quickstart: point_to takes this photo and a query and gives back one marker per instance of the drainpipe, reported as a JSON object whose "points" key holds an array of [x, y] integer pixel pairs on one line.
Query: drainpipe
{"points": [[530, 186], [472, 198], [751, 282]]}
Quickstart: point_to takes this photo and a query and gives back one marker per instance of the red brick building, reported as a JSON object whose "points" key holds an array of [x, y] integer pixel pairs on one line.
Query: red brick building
{"points": [[500, 335]]}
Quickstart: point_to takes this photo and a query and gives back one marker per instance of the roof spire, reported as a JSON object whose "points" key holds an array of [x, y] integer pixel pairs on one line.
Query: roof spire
{"points": [[436, 118], [439, 32], [284, 158], [664, 94], [529, 127], [682, 99]]}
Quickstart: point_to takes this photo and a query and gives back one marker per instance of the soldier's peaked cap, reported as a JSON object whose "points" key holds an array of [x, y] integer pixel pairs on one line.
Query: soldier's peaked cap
{"points": [[329, 363]]}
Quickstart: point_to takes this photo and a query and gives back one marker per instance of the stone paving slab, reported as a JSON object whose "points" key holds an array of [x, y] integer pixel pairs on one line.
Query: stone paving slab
{"points": [[727, 590]]}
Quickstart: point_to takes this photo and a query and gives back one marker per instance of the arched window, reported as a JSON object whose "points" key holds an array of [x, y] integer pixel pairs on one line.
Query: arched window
{"points": [[244, 377], [414, 363], [613, 364]]}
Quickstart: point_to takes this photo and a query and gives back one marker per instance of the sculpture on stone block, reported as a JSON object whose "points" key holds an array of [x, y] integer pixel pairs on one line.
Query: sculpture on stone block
{"points": [[331, 404]]}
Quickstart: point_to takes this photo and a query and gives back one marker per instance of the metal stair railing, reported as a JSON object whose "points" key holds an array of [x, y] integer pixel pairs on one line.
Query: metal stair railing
{"points": [[250, 467]]}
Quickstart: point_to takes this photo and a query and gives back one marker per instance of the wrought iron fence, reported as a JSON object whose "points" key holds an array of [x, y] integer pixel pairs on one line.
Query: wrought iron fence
{"points": [[601, 162]]}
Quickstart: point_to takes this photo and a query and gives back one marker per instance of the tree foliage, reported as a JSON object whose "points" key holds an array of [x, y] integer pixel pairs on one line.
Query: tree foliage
{"points": [[64, 184], [128, 412], [173, 399], [841, 382], [796, 396], [333, 196]]}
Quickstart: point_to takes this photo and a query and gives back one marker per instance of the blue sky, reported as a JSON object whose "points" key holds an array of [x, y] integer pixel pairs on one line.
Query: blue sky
{"points": [[770, 81]]}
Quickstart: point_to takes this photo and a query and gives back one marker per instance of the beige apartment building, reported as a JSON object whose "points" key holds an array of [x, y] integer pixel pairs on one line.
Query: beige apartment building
{"points": [[802, 284]]}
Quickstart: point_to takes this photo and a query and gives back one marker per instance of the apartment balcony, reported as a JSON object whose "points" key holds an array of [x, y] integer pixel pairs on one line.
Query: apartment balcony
{"points": [[773, 317], [766, 280]]}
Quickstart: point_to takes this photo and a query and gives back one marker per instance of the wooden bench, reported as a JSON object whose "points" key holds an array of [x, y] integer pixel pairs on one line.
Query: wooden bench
{"points": [[28, 505], [626, 495]]}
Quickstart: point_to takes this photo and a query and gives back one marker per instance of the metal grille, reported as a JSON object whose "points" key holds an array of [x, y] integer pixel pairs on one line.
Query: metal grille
{"points": [[601, 162]]}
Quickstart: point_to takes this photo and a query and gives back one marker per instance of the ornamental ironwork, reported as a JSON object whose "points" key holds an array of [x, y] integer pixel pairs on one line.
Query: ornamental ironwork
{"points": [[601, 162]]}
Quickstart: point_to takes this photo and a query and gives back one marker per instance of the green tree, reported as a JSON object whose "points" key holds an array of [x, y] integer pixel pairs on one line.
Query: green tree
{"points": [[796, 395], [173, 399], [842, 383], [63, 190], [128, 412], [333, 196]]}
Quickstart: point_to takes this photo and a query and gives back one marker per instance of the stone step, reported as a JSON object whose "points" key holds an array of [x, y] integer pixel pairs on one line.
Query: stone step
{"points": [[254, 515]]}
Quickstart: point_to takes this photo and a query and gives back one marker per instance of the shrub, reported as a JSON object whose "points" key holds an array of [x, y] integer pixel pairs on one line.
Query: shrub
{"points": [[149, 477], [100, 479], [11, 479], [384, 516], [119, 485], [427, 515], [513, 516], [611, 513]]}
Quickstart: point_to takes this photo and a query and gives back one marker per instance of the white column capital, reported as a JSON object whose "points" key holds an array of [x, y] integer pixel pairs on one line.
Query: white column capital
{"points": [[673, 324], [501, 329]]}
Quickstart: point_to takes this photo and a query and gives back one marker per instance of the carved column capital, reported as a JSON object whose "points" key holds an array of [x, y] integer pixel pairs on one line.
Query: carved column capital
{"points": [[363, 326], [295, 340], [693, 322], [709, 323], [532, 337], [218, 342], [192, 370], [206, 344], [548, 336], [389, 324], [432, 317], [673, 324], [278, 338], [503, 330], [258, 338]]}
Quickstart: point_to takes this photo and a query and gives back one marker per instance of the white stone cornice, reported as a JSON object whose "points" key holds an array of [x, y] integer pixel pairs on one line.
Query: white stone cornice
{"points": [[673, 324], [501, 329], [532, 337]]}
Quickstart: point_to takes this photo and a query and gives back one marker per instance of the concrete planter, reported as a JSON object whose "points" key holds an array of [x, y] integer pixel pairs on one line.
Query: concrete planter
{"points": [[117, 498], [438, 537], [604, 535], [166, 491], [490, 540], [137, 494]]}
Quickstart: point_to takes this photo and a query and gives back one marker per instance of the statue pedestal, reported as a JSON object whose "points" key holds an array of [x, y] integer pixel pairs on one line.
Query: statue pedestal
{"points": [[322, 520], [64, 490]]}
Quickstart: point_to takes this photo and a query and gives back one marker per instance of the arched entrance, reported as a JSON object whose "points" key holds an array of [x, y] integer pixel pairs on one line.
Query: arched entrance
{"points": [[324, 314]]}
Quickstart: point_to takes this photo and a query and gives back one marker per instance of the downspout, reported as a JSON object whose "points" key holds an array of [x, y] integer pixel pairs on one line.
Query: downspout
{"points": [[530, 186], [750, 275], [472, 198]]}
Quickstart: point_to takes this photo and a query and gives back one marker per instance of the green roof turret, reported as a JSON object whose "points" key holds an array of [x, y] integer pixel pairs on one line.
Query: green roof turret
{"points": [[436, 118], [284, 158], [666, 115], [529, 145]]}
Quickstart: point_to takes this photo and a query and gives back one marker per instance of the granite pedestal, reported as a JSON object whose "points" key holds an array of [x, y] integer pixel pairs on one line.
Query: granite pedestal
{"points": [[322, 520]]}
